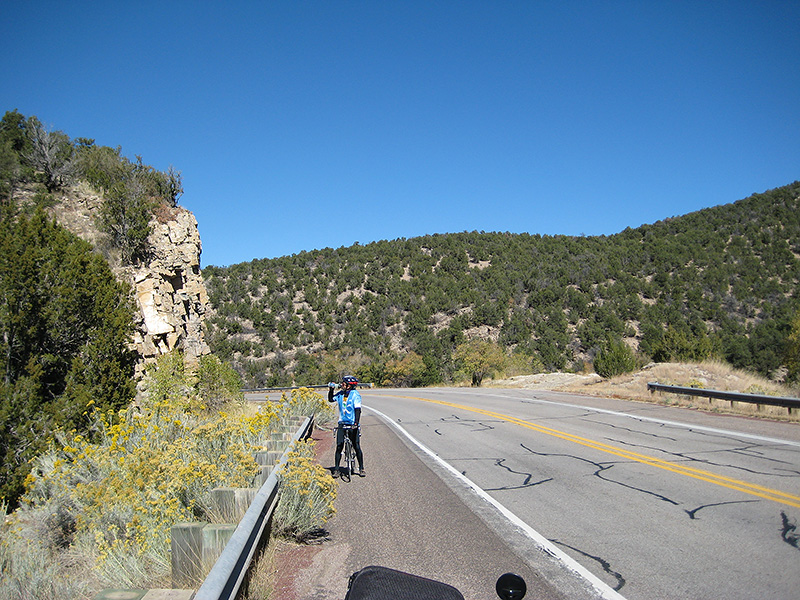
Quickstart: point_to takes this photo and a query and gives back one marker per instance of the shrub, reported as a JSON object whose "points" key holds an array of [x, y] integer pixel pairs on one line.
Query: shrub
{"points": [[218, 382], [307, 495], [683, 345], [304, 402], [33, 567], [615, 358], [478, 358], [404, 373], [211, 386], [117, 499]]}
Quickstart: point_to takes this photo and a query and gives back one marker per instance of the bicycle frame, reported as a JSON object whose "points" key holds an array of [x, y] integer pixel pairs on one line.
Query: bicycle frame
{"points": [[348, 452]]}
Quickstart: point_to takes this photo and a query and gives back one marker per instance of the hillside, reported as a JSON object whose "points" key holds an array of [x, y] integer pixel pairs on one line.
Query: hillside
{"points": [[720, 282], [99, 277], [128, 212]]}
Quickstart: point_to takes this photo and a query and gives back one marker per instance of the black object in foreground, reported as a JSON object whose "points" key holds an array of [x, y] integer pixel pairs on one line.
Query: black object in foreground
{"points": [[382, 583]]}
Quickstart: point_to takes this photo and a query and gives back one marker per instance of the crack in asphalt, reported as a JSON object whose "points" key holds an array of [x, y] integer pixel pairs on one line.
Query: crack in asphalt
{"points": [[587, 412], [601, 468], [789, 531], [525, 484], [693, 513], [630, 430], [601, 561], [731, 438], [483, 425], [749, 452], [499, 462]]}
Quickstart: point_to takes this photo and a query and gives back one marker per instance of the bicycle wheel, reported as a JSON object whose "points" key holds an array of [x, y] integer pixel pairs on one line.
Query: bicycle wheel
{"points": [[352, 459]]}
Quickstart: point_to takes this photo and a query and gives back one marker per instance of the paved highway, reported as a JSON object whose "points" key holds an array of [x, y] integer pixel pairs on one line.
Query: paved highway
{"points": [[657, 502]]}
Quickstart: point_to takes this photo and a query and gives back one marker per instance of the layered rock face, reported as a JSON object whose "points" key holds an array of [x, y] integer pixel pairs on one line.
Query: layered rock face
{"points": [[168, 289], [170, 292]]}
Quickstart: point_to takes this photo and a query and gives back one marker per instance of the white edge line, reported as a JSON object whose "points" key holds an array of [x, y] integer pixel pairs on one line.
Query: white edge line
{"points": [[600, 586]]}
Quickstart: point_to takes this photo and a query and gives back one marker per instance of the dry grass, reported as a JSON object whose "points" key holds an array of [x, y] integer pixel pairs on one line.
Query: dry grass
{"points": [[261, 581], [709, 375]]}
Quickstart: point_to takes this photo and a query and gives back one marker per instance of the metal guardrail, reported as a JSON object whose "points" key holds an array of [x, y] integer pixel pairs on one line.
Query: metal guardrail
{"points": [[297, 387], [790, 403], [226, 576]]}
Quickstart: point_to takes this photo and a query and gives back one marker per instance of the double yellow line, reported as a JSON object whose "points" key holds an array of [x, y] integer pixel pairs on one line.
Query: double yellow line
{"points": [[728, 482]]}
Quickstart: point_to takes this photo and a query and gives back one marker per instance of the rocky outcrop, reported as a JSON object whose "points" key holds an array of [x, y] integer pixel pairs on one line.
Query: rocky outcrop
{"points": [[168, 288], [170, 292]]}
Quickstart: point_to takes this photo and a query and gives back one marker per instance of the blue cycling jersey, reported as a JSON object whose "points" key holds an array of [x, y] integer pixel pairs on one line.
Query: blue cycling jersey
{"points": [[347, 406]]}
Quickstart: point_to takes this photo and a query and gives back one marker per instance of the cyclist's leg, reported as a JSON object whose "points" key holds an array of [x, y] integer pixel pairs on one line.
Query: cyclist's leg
{"points": [[356, 439], [339, 446]]}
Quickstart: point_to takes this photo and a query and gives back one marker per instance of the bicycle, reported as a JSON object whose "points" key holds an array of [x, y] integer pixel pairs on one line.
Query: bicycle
{"points": [[348, 452]]}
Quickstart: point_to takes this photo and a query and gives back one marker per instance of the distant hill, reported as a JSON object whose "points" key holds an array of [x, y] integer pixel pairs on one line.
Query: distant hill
{"points": [[722, 281]]}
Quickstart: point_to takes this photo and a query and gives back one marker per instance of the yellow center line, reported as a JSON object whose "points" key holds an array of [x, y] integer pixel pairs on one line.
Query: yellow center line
{"points": [[727, 482]]}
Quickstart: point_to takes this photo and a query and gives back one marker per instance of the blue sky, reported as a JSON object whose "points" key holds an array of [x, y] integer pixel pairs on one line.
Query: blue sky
{"points": [[311, 124]]}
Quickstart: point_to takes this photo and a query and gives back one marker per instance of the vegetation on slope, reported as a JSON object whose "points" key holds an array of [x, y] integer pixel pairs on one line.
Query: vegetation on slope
{"points": [[65, 321], [97, 512], [721, 282], [32, 154]]}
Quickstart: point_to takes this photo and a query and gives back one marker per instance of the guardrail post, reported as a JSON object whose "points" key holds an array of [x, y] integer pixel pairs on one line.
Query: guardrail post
{"points": [[187, 552], [229, 504], [215, 537], [268, 457]]}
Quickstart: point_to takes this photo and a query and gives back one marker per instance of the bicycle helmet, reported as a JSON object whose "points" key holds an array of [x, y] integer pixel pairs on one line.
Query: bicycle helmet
{"points": [[349, 381]]}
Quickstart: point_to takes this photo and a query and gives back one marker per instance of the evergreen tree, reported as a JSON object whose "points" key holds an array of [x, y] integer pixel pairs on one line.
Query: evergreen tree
{"points": [[65, 325], [793, 350], [615, 358]]}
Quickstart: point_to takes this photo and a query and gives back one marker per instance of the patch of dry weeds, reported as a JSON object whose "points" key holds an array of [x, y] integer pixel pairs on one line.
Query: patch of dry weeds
{"points": [[633, 386]]}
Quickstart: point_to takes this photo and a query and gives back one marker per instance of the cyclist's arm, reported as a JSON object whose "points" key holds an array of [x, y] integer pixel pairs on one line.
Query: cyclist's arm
{"points": [[358, 415], [330, 392]]}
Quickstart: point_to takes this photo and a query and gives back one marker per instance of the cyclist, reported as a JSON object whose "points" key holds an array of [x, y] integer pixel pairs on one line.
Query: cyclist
{"points": [[349, 401]]}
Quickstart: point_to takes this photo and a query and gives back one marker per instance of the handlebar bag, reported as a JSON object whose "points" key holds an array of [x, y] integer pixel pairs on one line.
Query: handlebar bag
{"points": [[382, 583]]}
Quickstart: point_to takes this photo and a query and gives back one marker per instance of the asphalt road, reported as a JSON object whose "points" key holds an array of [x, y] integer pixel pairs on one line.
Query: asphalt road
{"points": [[657, 502], [405, 516]]}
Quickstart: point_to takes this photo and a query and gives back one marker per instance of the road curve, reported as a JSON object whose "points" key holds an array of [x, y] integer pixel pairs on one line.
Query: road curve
{"points": [[656, 502]]}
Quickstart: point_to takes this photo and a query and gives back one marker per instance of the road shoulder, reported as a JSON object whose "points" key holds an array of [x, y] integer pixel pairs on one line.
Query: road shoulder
{"points": [[406, 516]]}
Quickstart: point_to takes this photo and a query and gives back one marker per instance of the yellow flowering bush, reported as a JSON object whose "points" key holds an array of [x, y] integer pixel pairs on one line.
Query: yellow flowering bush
{"points": [[98, 509], [307, 497], [304, 402], [148, 471]]}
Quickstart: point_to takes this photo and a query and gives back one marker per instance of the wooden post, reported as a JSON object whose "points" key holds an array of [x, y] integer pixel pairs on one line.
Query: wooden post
{"points": [[187, 552], [229, 504], [215, 538]]}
